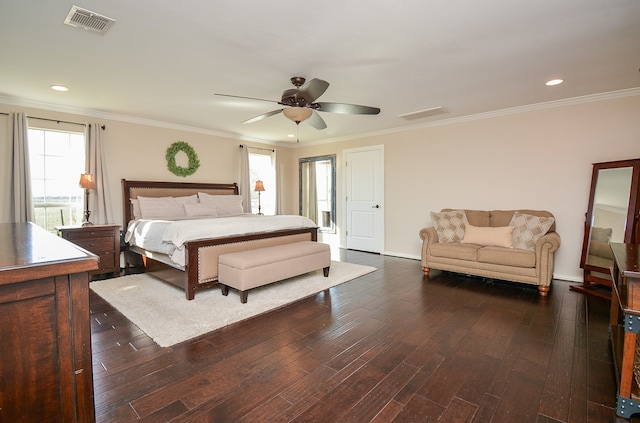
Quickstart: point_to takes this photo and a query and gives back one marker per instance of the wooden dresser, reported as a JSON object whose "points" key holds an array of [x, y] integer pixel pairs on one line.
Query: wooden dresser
{"points": [[625, 325], [101, 240], [45, 331]]}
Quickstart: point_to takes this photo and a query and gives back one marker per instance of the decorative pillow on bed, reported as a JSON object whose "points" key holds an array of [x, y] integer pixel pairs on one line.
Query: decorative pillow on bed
{"points": [[449, 225], [137, 214], [165, 207], [488, 236], [528, 229], [226, 205], [200, 210]]}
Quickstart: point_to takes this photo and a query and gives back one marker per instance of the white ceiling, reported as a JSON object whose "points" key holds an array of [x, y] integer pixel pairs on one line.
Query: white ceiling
{"points": [[164, 61]]}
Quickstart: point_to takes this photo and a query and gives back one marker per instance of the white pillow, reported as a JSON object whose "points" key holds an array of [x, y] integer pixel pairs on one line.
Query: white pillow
{"points": [[200, 210], [137, 214], [165, 207], [488, 236], [226, 205]]}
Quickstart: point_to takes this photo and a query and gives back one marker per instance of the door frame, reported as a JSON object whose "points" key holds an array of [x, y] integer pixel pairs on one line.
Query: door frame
{"points": [[345, 217]]}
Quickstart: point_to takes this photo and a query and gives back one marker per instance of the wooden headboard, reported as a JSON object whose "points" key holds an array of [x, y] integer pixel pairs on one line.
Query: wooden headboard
{"points": [[131, 190]]}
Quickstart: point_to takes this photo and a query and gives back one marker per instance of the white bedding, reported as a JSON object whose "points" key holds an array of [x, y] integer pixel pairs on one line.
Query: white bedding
{"points": [[169, 236]]}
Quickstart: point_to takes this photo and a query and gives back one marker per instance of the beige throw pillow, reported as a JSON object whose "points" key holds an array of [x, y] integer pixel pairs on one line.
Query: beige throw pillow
{"points": [[488, 236], [601, 234], [449, 225], [528, 229]]}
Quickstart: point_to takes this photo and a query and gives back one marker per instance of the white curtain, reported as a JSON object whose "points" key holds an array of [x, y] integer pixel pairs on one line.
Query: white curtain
{"points": [[309, 191], [22, 210], [100, 198], [276, 169], [245, 179]]}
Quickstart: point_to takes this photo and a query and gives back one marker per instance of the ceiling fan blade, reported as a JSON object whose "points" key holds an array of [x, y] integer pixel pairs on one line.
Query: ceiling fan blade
{"points": [[347, 109], [312, 90], [316, 121], [246, 98], [263, 116]]}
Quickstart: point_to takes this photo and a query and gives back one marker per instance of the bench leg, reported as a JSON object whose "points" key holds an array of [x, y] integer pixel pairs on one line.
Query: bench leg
{"points": [[325, 271], [243, 296], [224, 289]]}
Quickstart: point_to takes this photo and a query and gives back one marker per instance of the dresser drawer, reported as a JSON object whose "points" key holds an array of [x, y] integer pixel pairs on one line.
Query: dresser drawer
{"points": [[107, 260], [89, 233], [101, 240], [95, 245]]}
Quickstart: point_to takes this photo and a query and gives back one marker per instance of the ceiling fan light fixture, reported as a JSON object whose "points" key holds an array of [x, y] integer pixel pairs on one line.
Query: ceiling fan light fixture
{"points": [[297, 114]]}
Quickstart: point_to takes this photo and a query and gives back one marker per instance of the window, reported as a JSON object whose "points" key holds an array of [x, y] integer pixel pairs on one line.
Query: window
{"points": [[57, 159], [262, 167]]}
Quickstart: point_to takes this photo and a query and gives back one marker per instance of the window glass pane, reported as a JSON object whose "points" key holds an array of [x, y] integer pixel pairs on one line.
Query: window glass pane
{"points": [[36, 142], [57, 159]]}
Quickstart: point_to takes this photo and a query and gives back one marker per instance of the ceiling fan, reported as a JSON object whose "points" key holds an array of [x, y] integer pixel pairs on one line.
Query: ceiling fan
{"points": [[301, 105]]}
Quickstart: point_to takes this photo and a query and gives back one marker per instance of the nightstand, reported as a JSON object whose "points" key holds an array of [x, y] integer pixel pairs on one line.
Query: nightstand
{"points": [[101, 240]]}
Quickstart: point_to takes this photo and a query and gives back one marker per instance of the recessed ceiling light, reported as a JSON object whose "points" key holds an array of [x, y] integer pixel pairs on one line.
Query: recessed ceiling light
{"points": [[554, 82], [291, 135], [59, 88]]}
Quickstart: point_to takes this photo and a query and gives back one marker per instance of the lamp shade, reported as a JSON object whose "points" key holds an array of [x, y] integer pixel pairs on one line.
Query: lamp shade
{"points": [[297, 114], [259, 186], [86, 181]]}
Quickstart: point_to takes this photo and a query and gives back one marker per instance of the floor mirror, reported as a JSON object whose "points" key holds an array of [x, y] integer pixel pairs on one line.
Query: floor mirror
{"points": [[612, 216], [317, 176]]}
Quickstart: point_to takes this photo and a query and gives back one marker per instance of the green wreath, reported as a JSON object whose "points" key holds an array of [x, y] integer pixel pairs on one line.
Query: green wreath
{"points": [[194, 162]]}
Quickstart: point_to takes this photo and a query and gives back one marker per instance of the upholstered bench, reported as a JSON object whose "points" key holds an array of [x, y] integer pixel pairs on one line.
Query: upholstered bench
{"points": [[244, 270]]}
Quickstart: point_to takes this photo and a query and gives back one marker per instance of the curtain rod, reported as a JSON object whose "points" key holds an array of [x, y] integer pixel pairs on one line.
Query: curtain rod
{"points": [[57, 120], [258, 148]]}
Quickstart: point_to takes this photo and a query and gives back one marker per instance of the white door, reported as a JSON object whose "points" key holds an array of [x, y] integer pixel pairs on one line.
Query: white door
{"points": [[364, 198]]}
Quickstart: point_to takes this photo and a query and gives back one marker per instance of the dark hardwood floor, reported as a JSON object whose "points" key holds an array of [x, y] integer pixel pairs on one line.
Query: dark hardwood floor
{"points": [[389, 346]]}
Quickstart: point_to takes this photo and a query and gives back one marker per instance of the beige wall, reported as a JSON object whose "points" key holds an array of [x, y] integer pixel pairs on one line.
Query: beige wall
{"points": [[538, 159]]}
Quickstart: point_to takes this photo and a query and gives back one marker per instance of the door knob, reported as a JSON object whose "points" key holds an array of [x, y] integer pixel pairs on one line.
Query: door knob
{"points": [[377, 206]]}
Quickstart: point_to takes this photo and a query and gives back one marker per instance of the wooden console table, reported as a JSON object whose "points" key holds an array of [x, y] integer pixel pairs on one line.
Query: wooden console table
{"points": [[625, 324], [45, 328]]}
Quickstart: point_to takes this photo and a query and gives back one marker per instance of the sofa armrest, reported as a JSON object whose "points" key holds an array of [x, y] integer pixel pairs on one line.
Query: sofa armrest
{"points": [[546, 246], [549, 242], [429, 237]]}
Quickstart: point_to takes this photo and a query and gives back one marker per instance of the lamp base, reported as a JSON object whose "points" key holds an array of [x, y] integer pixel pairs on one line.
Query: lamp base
{"points": [[86, 221]]}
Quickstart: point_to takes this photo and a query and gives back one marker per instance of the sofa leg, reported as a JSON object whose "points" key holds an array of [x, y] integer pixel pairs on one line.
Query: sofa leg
{"points": [[426, 271], [224, 289], [544, 290], [243, 296]]}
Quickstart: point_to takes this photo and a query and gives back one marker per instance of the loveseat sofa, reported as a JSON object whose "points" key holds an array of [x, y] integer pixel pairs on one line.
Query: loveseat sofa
{"points": [[511, 245]]}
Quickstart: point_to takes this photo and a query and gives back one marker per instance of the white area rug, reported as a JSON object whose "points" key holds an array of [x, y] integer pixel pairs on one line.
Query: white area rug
{"points": [[162, 311]]}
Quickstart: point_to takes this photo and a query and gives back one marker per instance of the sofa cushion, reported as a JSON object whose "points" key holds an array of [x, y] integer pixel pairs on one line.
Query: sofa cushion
{"points": [[507, 257], [478, 217], [455, 251], [449, 225], [487, 236], [528, 229]]}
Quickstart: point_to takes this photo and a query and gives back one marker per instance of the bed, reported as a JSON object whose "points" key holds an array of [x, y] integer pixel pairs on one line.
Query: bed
{"points": [[199, 269]]}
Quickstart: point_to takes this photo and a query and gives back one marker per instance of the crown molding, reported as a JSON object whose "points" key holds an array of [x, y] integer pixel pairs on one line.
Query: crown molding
{"points": [[631, 92]]}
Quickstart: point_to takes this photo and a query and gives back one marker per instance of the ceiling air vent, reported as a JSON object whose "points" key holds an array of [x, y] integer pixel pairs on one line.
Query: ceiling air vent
{"points": [[422, 113], [86, 19]]}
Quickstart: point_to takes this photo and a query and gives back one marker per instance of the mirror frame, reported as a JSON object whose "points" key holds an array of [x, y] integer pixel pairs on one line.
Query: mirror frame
{"points": [[331, 158], [632, 227]]}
